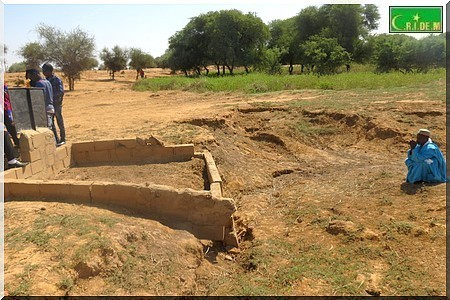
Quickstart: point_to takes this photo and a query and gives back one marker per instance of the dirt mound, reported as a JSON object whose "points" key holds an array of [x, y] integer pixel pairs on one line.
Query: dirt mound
{"points": [[85, 250], [268, 138], [209, 122]]}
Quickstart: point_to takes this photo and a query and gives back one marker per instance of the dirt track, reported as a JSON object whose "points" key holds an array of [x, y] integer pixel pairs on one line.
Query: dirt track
{"points": [[318, 178]]}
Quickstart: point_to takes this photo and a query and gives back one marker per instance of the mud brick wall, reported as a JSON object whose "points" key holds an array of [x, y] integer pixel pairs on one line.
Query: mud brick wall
{"points": [[38, 147], [128, 151], [205, 216]]}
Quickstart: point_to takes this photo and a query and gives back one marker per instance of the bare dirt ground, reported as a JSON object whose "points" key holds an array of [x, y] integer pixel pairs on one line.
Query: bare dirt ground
{"points": [[317, 176]]}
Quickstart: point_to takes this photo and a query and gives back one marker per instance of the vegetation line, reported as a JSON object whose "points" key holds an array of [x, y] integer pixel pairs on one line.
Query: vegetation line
{"points": [[261, 83]]}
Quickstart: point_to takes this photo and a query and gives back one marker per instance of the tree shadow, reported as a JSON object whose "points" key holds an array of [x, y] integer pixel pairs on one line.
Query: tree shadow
{"points": [[413, 188]]}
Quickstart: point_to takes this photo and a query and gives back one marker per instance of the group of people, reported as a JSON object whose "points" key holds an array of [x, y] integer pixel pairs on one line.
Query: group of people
{"points": [[53, 97]]}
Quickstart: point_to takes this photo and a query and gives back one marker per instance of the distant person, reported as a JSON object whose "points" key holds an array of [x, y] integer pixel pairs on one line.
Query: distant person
{"points": [[8, 117], [142, 73], [425, 161], [38, 81], [58, 94]]}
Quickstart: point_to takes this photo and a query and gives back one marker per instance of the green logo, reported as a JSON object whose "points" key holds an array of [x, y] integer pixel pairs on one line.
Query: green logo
{"points": [[410, 19]]}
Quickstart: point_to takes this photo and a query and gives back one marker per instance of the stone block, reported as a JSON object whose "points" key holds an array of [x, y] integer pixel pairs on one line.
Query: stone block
{"points": [[38, 141], [99, 156], [152, 154], [78, 192], [30, 155], [122, 194], [230, 237], [213, 173], [82, 147], [61, 153], [126, 143], [50, 148], [37, 166], [24, 189], [199, 155], [104, 145], [58, 166], [214, 232], [19, 173], [67, 162], [183, 152], [25, 140], [10, 174], [50, 160], [80, 157], [216, 189], [27, 173], [123, 154]]}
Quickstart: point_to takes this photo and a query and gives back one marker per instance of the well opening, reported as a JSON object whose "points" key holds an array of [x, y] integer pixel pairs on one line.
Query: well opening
{"points": [[168, 183]]}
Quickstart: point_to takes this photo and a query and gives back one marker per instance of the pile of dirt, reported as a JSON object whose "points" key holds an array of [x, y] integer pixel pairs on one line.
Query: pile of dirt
{"points": [[74, 249]]}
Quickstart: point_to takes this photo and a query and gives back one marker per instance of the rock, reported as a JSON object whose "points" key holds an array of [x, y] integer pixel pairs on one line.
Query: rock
{"points": [[338, 226], [370, 235], [373, 292], [87, 269]]}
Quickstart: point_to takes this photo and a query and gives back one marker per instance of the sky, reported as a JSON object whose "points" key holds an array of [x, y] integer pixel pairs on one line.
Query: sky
{"points": [[147, 25]]}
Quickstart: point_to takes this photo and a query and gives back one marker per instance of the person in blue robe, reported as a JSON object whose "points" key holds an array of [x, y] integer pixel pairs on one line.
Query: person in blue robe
{"points": [[425, 161]]}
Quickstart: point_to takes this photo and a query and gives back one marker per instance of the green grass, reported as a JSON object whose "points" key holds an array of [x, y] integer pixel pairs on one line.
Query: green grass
{"points": [[262, 83]]}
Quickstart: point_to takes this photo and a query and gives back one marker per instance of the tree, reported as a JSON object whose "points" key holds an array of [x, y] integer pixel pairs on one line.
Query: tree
{"points": [[72, 52], [17, 67], [430, 52], [282, 37], [114, 60], [163, 60], [140, 60], [394, 52], [33, 54], [325, 53]]}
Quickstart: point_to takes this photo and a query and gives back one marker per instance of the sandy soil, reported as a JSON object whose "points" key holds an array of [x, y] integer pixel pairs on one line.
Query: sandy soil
{"points": [[318, 178]]}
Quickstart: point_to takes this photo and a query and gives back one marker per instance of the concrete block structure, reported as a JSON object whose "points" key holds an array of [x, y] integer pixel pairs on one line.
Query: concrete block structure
{"points": [[206, 214]]}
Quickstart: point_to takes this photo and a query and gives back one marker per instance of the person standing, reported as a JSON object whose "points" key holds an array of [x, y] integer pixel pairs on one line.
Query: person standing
{"points": [[38, 81], [58, 94]]}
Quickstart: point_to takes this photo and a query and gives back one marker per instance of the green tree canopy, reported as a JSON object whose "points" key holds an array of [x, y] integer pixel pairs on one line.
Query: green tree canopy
{"points": [[72, 52], [114, 60], [140, 60], [34, 55], [325, 54]]}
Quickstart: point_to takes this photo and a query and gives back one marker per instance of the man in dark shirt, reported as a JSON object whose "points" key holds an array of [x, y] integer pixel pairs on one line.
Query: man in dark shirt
{"points": [[58, 94], [38, 81]]}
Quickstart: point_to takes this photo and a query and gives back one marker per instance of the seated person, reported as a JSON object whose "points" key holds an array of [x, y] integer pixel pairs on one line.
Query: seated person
{"points": [[425, 161]]}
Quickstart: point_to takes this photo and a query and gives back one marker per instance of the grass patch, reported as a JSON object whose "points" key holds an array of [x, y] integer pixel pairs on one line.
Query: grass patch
{"points": [[262, 83]]}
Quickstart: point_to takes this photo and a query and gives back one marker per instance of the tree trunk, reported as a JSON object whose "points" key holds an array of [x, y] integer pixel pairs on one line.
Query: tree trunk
{"points": [[207, 71], [186, 73], [199, 72], [113, 74], [291, 68], [137, 74], [246, 70], [303, 68], [218, 69], [230, 69], [223, 70]]}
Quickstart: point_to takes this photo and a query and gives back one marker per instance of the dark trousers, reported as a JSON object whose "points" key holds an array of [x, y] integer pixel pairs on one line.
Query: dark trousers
{"points": [[60, 121], [8, 147], [11, 129]]}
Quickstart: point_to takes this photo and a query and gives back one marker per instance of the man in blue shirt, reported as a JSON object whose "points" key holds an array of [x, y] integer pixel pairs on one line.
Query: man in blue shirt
{"points": [[58, 94], [425, 161], [38, 81]]}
